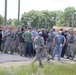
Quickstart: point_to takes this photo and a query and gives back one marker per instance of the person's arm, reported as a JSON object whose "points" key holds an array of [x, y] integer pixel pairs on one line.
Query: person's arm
{"points": [[64, 41], [23, 35]]}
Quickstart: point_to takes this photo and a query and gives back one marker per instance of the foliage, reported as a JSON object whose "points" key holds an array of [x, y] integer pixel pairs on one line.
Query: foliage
{"points": [[48, 69], [45, 18], [38, 19], [12, 22], [1, 20]]}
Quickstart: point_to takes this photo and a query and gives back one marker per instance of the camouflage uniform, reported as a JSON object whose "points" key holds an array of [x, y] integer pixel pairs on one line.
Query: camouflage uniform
{"points": [[50, 44], [16, 42], [38, 45], [70, 48], [3, 39], [9, 41]]}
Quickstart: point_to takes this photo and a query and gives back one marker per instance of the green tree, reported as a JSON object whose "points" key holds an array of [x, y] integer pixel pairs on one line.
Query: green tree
{"points": [[9, 22], [1, 20], [15, 22], [68, 15]]}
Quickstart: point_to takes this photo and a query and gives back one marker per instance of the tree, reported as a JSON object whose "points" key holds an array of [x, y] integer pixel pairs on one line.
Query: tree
{"points": [[1, 20], [68, 15], [15, 22], [9, 22]]}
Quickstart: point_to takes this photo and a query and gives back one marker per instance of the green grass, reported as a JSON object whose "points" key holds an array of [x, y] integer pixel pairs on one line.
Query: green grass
{"points": [[48, 69]]}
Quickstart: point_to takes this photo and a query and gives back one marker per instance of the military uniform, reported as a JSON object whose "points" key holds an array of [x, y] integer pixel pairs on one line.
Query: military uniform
{"points": [[70, 48], [9, 41], [38, 45], [16, 40], [50, 44]]}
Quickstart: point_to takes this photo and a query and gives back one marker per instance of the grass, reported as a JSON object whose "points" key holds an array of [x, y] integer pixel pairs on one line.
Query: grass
{"points": [[48, 69]]}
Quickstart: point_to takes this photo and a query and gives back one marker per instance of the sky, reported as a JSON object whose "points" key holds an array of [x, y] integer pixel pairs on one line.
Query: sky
{"points": [[27, 5]]}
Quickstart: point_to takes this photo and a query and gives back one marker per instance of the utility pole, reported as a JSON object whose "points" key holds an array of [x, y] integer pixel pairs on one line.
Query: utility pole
{"points": [[5, 17], [18, 12]]}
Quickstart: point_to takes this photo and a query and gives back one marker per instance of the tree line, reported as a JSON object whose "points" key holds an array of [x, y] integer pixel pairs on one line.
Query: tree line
{"points": [[45, 18]]}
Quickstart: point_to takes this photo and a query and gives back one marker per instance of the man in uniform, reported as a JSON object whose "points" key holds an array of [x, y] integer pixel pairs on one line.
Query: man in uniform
{"points": [[70, 40], [16, 39], [50, 44], [38, 45], [9, 40]]}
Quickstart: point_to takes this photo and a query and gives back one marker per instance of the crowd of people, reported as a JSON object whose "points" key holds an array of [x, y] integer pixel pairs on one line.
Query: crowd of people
{"points": [[27, 42]]}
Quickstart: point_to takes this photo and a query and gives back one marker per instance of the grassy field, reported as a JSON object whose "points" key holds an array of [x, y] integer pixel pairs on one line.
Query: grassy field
{"points": [[48, 69]]}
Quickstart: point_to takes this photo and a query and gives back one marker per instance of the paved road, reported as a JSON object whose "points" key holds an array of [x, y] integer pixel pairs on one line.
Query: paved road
{"points": [[12, 58], [15, 58]]}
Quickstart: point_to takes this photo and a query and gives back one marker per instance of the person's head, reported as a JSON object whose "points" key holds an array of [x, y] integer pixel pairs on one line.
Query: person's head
{"points": [[51, 30], [60, 32], [40, 33], [10, 28], [22, 29], [61, 29], [30, 28], [19, 27], [70, 31], [42, 30]]}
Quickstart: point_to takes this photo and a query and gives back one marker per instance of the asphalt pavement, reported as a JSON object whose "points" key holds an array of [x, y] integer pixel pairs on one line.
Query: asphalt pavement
{"points": [[15, 58]]}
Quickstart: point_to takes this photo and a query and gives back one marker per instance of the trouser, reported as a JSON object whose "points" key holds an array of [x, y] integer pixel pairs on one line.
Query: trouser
{"points": [[2, 46], [50, 47], [9, 44], [37, 56], [28, 48], [16, 44], [44, 51], [21, 49], [59, 49], [64, 50]]}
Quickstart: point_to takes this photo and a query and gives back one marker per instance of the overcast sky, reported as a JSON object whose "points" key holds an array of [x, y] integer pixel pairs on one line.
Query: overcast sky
{"points": [[27, 5]]}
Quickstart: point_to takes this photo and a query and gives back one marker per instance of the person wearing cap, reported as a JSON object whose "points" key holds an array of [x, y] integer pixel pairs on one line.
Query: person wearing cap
{"points": [[16, 39], [71, 41], [38, 45], [59, 41], [21, 42], [9, 34]]}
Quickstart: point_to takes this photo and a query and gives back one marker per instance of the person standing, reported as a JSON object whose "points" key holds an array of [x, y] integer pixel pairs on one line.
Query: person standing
{"points": [[3, 38], [9, 34], [71, 41], [16, 39], [59, 42], [28, 42], [0, 38], [21, 42], [50, 44]]}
